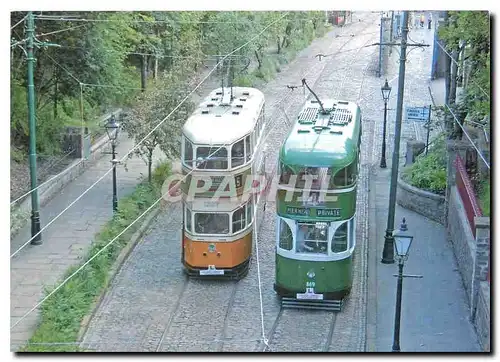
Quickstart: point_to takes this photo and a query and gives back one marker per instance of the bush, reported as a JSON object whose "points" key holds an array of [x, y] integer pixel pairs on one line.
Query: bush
{"points": [[484, 197], [429, 172], [63, 312]]}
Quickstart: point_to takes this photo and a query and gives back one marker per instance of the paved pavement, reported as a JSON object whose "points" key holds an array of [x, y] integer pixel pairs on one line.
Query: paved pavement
{"points": [[68, 238], [434, 309]]}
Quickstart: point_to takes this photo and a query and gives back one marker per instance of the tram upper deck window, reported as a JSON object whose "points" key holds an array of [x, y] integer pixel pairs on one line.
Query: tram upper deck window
{"points": [[187, 220], [285, 173], [210, 223], [248, 148], [339, 238], [239, 221], [347, 176], [285, 236], [238, 154], [316, 175], [188, 152], [211, 158], [312, 238]]}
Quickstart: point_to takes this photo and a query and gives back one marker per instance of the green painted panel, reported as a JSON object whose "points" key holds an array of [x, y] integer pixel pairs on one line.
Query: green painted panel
{"points": [[330, 276], [343, 208]]}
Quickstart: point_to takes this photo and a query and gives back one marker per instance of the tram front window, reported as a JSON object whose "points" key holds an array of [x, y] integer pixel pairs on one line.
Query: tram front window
{"points": [[312, 238], [206, 223], [238, 154], [211, 158]]}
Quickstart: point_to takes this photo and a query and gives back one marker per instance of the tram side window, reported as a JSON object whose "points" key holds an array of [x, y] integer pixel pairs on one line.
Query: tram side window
{"points": [[248, 148], [347, 176], [286, 236], [187, 220], [339, 239], [312, 238], [188, 152], [238, 154], [239, 219], [285, 173], [209, 223], [249, 212], [352, 234], [211, 158]]}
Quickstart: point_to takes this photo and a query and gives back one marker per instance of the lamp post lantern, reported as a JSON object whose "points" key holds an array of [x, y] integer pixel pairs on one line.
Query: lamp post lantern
{"points": [[386, 92], [402, 243], [112, 128]]}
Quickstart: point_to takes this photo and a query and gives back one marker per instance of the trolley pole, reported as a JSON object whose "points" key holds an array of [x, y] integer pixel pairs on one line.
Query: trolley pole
{"points": [[388, 252], [35, 214]]}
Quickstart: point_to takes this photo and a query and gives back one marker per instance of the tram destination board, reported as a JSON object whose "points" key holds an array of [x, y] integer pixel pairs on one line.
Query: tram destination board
{"points": [[300, 211], [417, 113]]}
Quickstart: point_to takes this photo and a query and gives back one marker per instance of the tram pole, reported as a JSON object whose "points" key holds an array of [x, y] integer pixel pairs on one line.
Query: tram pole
{"points": [[35, 214], [388, 252]]}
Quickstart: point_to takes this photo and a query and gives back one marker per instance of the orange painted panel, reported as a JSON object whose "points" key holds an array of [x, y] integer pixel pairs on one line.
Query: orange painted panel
{"points": [[231, 253]]}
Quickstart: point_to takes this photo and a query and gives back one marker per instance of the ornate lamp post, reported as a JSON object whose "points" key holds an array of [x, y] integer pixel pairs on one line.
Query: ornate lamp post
{"points": [[386, 92], [402, 243], [112, 128]]}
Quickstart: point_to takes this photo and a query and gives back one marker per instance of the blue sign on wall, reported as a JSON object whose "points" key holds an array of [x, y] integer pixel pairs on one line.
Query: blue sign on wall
{"points": [[417, 113]]}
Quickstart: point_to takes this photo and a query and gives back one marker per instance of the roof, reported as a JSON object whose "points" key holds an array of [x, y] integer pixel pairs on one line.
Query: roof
{"points": [[324, 140], [218, 121]]}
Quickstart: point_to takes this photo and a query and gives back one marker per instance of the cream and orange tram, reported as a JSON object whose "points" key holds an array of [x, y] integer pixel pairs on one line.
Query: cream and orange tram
{"points": [[222, 155]]}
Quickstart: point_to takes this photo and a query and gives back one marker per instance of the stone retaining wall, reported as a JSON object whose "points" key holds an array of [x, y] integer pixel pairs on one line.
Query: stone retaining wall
{"points": [[423, 202]]}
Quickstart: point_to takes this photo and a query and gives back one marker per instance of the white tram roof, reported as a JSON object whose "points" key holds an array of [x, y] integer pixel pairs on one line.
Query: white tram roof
{"points": [[217, 120]]}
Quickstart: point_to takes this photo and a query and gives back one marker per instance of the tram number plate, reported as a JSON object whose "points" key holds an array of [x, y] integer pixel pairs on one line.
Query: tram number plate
{"points": [[309, 296], [212, 271]]}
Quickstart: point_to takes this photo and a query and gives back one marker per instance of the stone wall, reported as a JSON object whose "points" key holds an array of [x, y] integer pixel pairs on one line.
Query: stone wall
{"points": [[482, 317], [423, 202], [461, 238]]}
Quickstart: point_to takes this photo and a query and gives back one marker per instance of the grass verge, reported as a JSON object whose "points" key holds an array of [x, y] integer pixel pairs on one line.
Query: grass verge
{"points": [[63, 312]]}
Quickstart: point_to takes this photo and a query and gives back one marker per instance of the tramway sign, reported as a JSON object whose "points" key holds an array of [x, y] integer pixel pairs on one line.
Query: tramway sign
{"points": [[418, 113]]}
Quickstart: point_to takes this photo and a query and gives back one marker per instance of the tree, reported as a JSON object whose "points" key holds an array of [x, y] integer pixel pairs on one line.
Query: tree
{"points": [[151, 108]]}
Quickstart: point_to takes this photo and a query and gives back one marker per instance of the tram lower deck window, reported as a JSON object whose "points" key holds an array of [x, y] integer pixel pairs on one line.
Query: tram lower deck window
{"points": [[285, 236], [187, 220], [312, 238], [339, 238], [210, 223]]}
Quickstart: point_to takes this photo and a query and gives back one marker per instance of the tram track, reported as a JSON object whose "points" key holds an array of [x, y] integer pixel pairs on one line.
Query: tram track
{"points": [[286, 317], [178, 323]]}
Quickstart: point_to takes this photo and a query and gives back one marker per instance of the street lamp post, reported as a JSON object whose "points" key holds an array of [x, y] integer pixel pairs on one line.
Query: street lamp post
{"points": [[386, 92], [112, 128], [402, 243]]}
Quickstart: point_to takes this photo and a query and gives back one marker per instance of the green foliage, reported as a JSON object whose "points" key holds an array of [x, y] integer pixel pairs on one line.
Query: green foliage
{"points": [[162, 171], [473, 28], [64, 311], [429, 171], [484, 196]]}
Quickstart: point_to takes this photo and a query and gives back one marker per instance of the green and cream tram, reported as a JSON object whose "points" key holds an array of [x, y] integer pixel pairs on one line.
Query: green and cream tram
{"points": [[316, 205], [223, 158]]}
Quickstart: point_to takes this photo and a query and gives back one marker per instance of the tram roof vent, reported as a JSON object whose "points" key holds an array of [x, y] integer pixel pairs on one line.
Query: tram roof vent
{"points": [[218, 93], [303, 131], [246, 93], [308, 115], [336, 132], [236, 112], [210, 105], [343, 102], [340, 117], [243, 99], [205, 111], [239, 106], [215, 99]]}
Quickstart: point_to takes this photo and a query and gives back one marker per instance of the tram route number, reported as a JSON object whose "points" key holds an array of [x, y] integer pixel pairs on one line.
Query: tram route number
{"points": [[211, 271]]}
